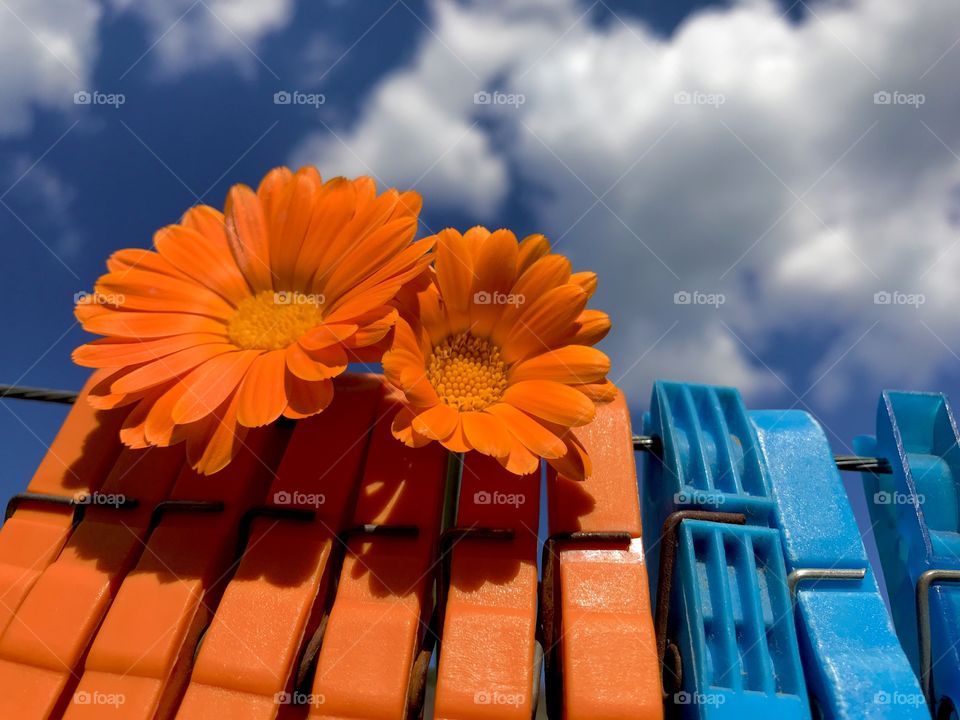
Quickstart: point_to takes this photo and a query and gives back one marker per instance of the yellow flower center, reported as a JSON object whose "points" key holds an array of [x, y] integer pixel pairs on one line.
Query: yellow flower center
{"points": [[273, 320], [467, 372]]}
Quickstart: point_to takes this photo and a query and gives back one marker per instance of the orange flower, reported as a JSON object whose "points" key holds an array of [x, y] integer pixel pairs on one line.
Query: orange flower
{"points": [[243, 316], [498, 358]]}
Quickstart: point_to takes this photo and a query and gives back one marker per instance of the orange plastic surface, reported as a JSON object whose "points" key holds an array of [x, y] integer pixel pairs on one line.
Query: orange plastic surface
{"points": [[144, 649], [274, 602], [384, 598], [36, 533], [606, 642], [487, 657], [42, 649]]}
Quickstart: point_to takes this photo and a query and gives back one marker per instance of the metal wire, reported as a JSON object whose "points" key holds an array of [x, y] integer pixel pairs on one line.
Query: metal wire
{"points": [[20, 392], [851, 463], [642, 443]]}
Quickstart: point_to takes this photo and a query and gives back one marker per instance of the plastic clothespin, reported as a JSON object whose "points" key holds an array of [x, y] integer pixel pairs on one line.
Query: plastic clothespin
{"points": [[852, 661], [784, 606], [915, 513], [722, 613]]}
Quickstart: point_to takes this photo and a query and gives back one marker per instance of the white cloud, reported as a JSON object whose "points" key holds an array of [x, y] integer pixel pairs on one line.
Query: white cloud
{"points": [[188, 35], [775, 180], [46, 51]]}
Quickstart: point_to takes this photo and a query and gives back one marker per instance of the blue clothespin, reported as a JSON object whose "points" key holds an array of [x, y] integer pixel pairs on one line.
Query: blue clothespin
{"points": [[915, 512], [782, 612]]}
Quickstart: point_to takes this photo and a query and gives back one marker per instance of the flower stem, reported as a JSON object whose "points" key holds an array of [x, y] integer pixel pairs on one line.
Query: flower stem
{"points": [[451, 491]]}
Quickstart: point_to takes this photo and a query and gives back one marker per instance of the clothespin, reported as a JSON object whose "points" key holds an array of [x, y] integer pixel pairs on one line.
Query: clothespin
{"points": [[915, 514]]}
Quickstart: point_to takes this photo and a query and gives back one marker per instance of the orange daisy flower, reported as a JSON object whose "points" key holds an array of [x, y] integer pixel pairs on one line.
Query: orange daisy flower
{"points": [[243, 316], [498, 357]]}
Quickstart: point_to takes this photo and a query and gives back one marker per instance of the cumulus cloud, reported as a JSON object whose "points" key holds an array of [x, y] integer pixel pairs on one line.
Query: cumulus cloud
{"points": [[188, 35], [46, 50], [771, 203]]}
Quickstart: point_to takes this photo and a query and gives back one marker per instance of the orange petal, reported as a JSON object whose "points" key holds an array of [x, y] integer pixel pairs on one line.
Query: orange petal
{"points": [[248, 237], [548, 272], [593, 327], [367, 255], [326, 335], [496, 271], [551, 401], [114, 352], [455, 277], [209, 222], [349, 307], [335, 205], [376, 330], [160, 427], [534, 436], [331, 361], [432, 315], [576, 463], [303, 366], [546, 323], [405, 338], [132, 433], [224, 442], [152, 324], [270, 191], [139, 290], [532, 248], [306, 398], [140, 259], [545, 274], [570, 364], [397, 362], [487, 433], [207, 260], [211, 383], [409, 204], [436, 422], [290, 225], [402, 429], [262, 395], [520, 461], [585, 280], [169, 368], [417, 387], [599, 392], [457, 440]]}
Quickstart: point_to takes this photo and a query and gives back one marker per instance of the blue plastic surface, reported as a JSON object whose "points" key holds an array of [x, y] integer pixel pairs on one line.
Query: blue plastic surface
{"points": [[838, 645], [916, 521]]}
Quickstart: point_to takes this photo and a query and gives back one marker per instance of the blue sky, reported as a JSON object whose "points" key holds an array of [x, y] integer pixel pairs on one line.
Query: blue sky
{"points": [[740, 155]]}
